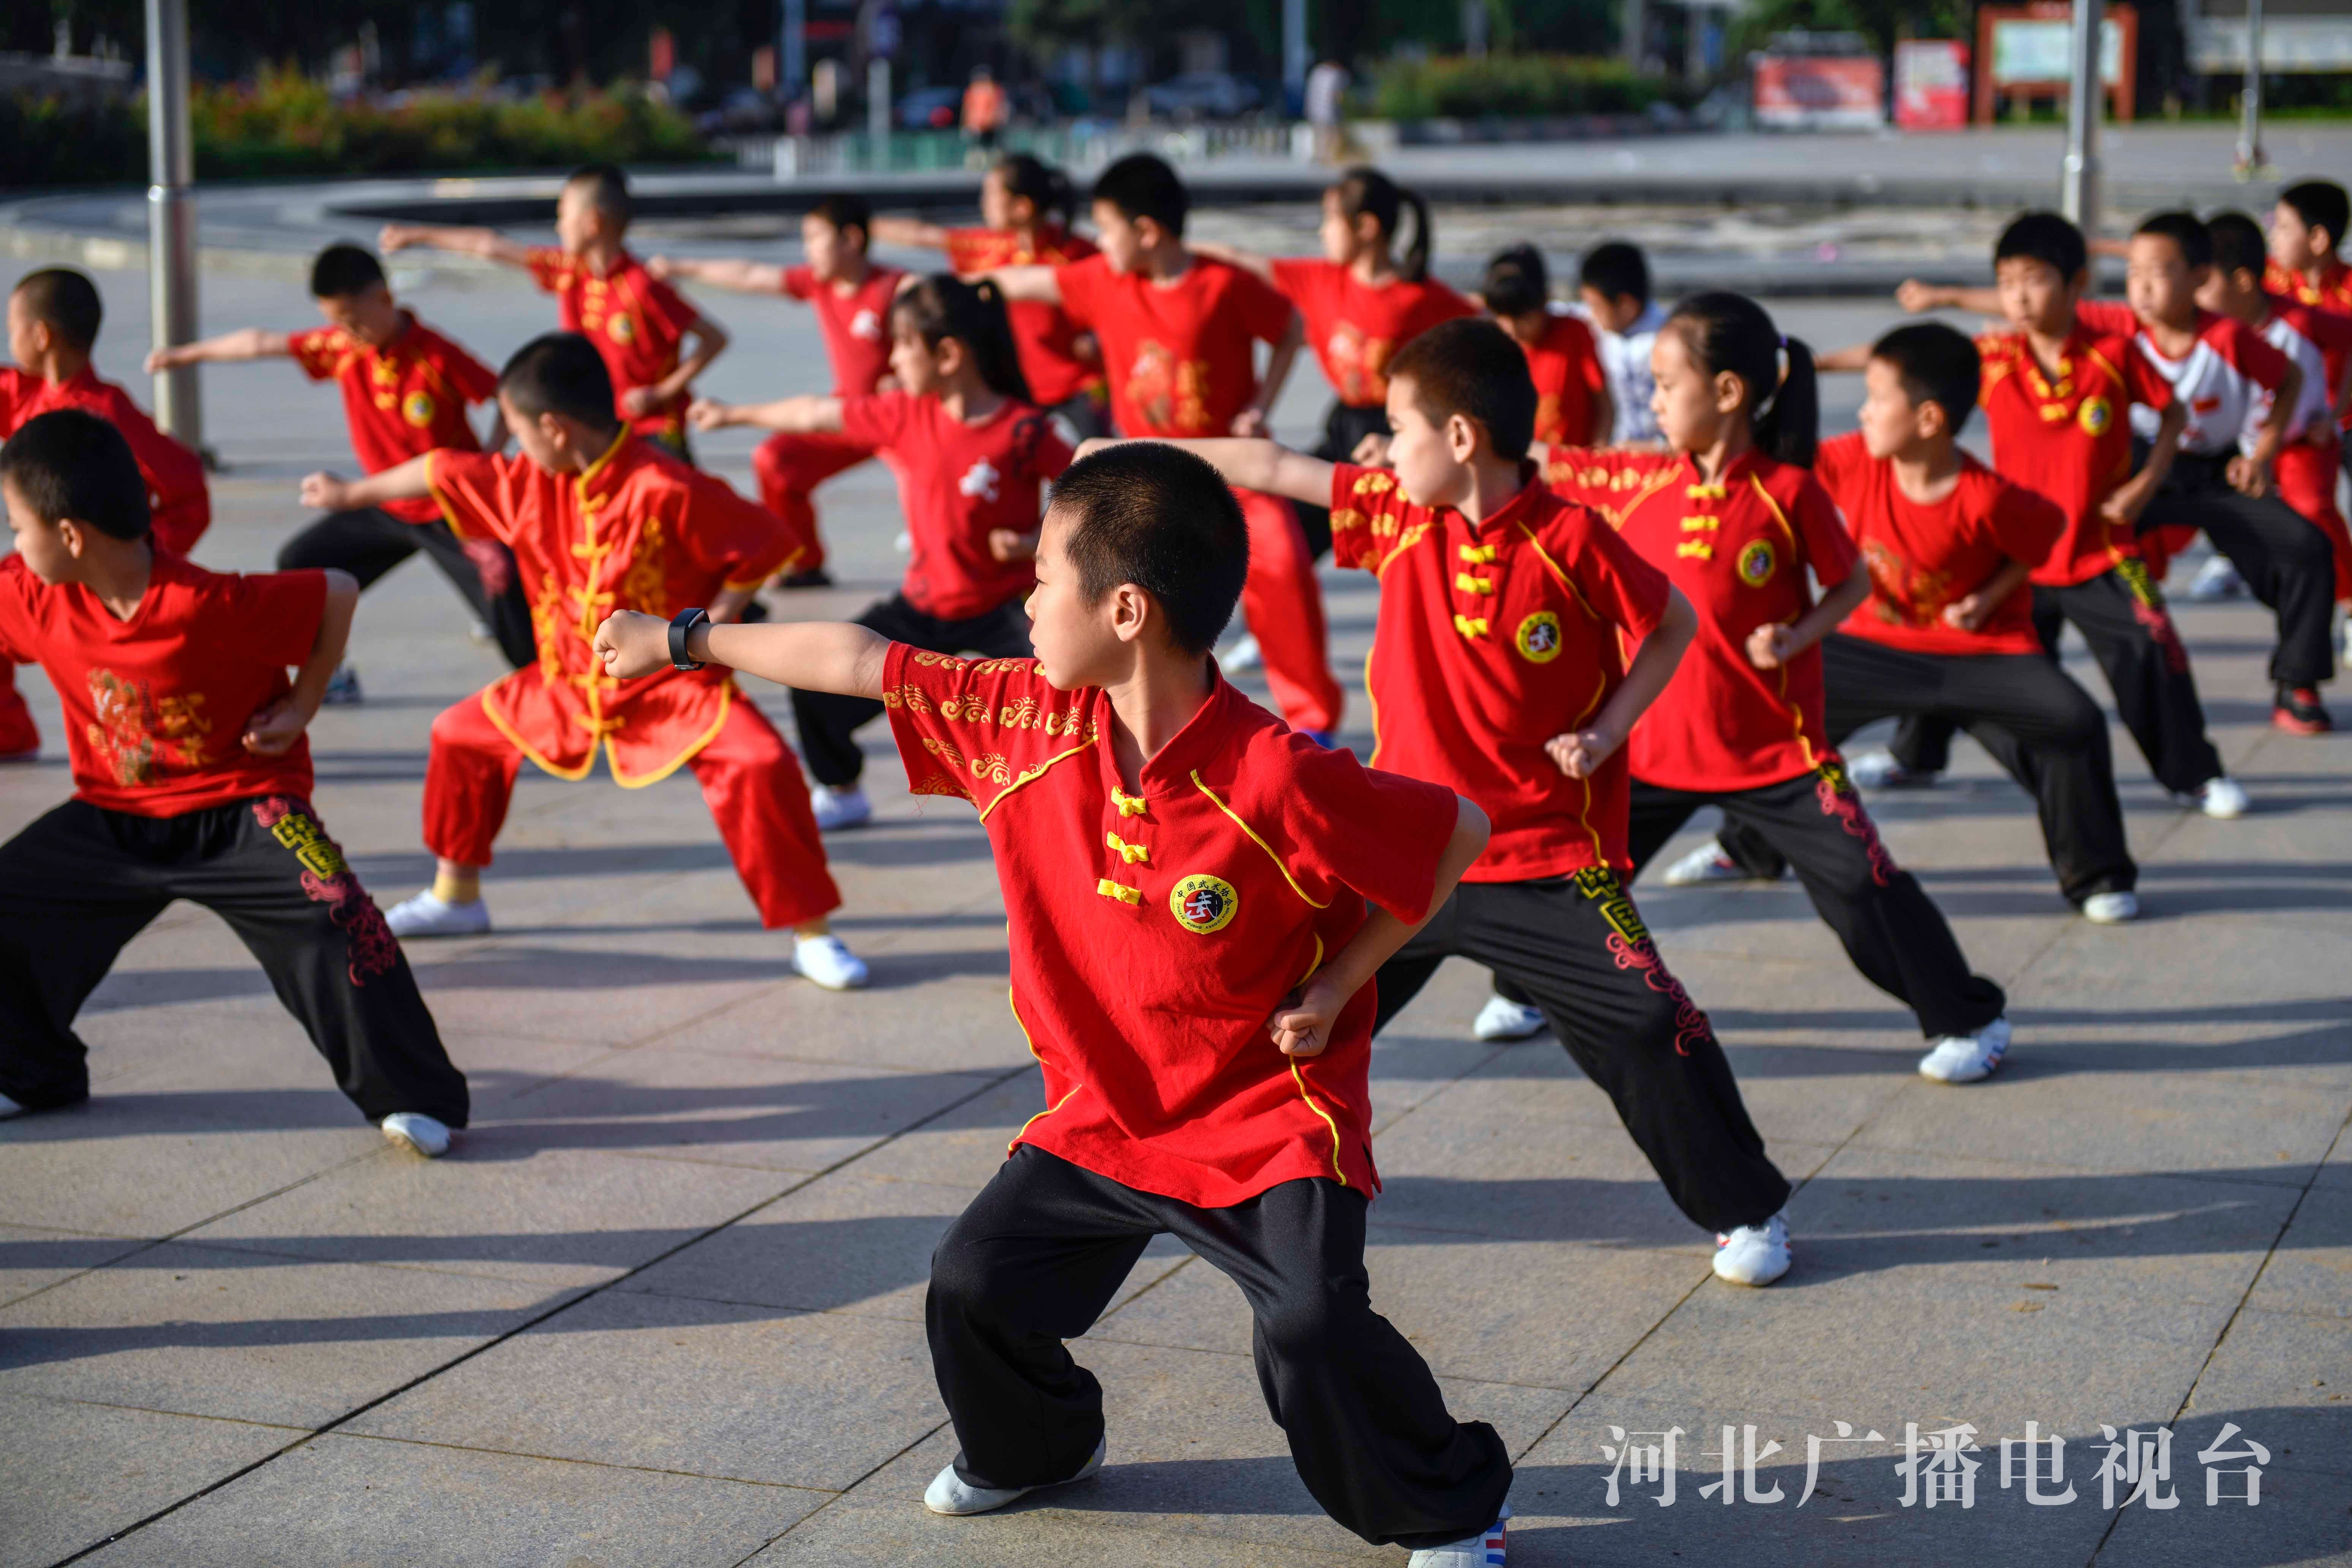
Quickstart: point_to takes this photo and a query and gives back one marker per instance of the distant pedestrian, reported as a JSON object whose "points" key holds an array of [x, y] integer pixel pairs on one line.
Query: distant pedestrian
{"points": [[1326, 84], [983, 109]]}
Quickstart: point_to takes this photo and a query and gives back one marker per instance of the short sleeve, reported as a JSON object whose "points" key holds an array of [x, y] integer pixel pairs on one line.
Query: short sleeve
{"points": [[950, 720], [1820, 533], [879, 421], [1836, 462], [548, 266], [1044, 454], [2142, 385], [469, 377], [19, 643], [800, 282], [2026, 525], [667, 307], [974, 249], [2107, 317], [470, 490], [277, 614], [1259, 307], [1300, 278], [1081, 283], [723, 533], [1380, 835], [318, 351], [1601, 478], [15, 389], [1366, 515], [1608, 575], [2256, 357]]}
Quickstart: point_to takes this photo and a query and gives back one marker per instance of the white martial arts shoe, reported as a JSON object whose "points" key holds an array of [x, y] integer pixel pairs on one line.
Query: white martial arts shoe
{"points": [[428, 914], [951, 1493], [2217, 579], [1484, 1550], [825, 961], [1707, 863], [1504, 1019], [2111, 908], [839, 809], [2222, 797], [1246, 655], [1877, 769], [416, 1132], [1964, 1058], [9, 1107], [1753, 1253]]}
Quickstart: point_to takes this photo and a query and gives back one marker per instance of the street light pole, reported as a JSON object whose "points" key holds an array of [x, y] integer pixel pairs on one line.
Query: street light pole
{"points": [[792, 59], [2249, 116], [171, 216], [1294, 48], [2079, 181]]}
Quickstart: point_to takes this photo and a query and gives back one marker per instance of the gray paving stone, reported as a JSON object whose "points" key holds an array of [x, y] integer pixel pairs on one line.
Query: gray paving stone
{"points": [[33, 1259], [148, 1165]]}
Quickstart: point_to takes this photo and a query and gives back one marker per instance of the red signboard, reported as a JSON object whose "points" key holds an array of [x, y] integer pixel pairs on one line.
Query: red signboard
{"points": [[1931, 84], [1820, 92]]}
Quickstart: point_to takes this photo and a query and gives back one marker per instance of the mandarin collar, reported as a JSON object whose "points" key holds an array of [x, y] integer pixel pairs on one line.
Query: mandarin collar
{"points": [[1206, 734], [1730, 475], [599, 479], [1523, 500]]}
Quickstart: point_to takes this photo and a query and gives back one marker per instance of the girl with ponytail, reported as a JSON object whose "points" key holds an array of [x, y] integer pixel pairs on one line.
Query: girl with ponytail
{"points": [[1368, 296], [1025, 206], [1733, 514], [974, 457]]}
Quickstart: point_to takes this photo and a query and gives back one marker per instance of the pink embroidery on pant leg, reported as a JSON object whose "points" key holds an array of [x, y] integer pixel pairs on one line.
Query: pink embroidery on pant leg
{"points": [[327, 878], [1628, 944], [2147, 609], [1838, 799]]}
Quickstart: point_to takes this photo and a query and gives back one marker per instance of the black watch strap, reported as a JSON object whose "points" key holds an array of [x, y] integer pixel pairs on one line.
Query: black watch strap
{"points": [[680, 625]]}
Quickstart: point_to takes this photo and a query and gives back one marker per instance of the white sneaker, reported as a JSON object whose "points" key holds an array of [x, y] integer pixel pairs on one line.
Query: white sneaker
{"points": [[342, 688], [481, 633], [839, 809], [1753, 1253], [825, 959], [1707, 863], [1484, 1550], [1504, 1019], [951, 1493], [2111, 908], [416, 1132], [1246, 655], [1878, 769], [428, 914], [1964, 1058], [2217, 579], [9, 1107], [2223, 797], [904, 543], [2345, 658]]}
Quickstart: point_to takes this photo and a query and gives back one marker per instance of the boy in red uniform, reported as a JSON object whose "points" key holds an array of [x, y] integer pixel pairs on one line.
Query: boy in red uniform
{"points": [[1198, 896], [975, 459], [407, 389], [851, 297], [1574, 406], [639, 324], [192, 780], [1179, 335], [597, 519], [53, 319], [1498, 669]]}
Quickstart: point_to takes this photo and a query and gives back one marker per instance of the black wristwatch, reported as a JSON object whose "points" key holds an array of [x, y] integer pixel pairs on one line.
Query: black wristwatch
{"points": [[683, 622]]}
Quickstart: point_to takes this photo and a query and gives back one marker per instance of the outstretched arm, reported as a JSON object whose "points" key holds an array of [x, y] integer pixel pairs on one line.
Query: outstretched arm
{"points": [[1853, 356], [1233, 255], [809, 655], [1034, 285], [743, 277], [1915, 296], [910, 231], [485, 243], [252, 342], [1579, 753], [274, 729], [403, 481], [1251, 463], [805, 415]]}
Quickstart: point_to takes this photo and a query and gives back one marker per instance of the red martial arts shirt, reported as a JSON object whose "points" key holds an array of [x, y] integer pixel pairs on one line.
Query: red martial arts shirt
{"points": [[1355, 329], [1181, 357], [636, 321], [956, 483], [2332, 297], [1568, 375], [2069, 439], [639, 530], [1490, 641], [2226, 378], [1044, 335], [1739, 550], [1922, 558], [155, 707], [1153, 935], [401, 400], [856, 325], [179, 508]]}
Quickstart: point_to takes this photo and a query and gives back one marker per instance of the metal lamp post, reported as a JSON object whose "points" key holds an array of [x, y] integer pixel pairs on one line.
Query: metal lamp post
{"points": [[2079, 180], [171, 216]]}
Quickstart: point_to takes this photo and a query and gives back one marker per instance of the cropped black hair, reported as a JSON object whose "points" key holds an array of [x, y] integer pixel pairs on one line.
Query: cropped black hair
{"points": [[1044, 186], [2238, 243], [943, 306], [2321, 204], [1363, 190], [66, 301], [607, 188], [69, 463], [846, 210], [2043, 236], [1470, 366], [1727, 331], [1517, 283], [2186, 232], [344, 270], [1617, 269], [1937, 364], [559, 372], [1140, 186], [1158, 517]]}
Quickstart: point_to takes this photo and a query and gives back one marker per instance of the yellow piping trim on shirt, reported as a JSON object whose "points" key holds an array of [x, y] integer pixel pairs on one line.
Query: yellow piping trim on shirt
{"points": [[571, 776], [1015, 1008], [1261, 843], [1796, 711], [1553, 567], [1299, 1077], [693, 750], [1032, 776]]}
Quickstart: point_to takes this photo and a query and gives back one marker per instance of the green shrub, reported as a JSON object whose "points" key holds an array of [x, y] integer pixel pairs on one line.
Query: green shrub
{"points": [[1509, 87]]}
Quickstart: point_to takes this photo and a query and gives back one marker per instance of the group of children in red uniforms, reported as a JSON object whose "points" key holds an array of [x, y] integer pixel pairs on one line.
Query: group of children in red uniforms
{"points": [[1578, 645]]}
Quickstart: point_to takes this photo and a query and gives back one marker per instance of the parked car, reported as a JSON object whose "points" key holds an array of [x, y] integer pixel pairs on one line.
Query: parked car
{"points": [[932, 109], [1204, 95]]}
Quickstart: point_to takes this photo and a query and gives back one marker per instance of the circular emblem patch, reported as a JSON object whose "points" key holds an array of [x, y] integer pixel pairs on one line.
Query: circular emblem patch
{"points": [[417, 408], [2094, 416], [620, 329], [1756, 563], [1202, 903], [1539, 638]]}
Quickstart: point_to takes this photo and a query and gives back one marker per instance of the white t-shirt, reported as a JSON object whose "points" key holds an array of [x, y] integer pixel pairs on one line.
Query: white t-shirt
{"points": [[1625, 360], [2225, 382], [2311, 405]]}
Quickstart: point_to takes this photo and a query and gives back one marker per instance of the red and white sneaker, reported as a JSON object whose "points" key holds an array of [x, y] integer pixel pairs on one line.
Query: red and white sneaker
{"points": [[1484, 1550], [2299, 711], [1753, 1254]]}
